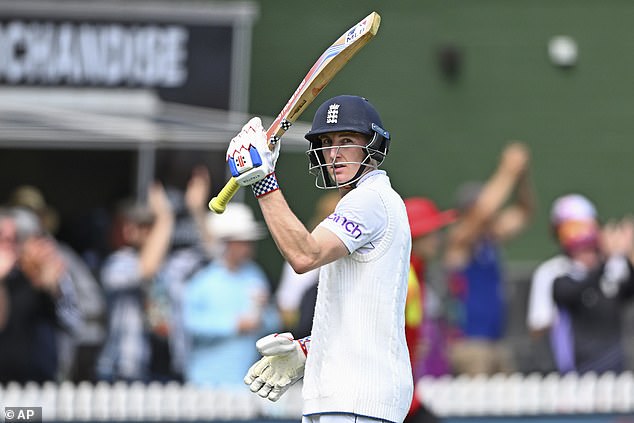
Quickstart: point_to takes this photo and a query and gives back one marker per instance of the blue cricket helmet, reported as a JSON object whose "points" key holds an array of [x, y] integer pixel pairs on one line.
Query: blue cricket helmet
{"points": [[346, 113], [350, 113]]}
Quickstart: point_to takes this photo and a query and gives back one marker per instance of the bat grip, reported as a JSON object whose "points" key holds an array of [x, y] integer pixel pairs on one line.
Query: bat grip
{"points": [[219, 203]]}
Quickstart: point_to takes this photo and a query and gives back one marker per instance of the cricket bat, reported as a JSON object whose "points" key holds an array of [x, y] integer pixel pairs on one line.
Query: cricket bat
{"points": [[320, 74]]}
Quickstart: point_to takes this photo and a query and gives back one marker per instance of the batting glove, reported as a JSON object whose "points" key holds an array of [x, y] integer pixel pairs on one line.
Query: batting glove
{"points": [[250, 159], [282, 365]]}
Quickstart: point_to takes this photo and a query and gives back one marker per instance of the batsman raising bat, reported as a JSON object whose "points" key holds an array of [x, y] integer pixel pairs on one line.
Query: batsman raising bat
{"points": [[355, 364]]}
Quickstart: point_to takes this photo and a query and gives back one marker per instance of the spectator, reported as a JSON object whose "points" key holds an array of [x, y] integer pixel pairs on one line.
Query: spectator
{"points": [[186, 255], [425, 222], [543, 317], [224, 303], [472, 258], [30, 197], [78, 354], [296, 293], [142, 234], [595, 291], [36, 302]]}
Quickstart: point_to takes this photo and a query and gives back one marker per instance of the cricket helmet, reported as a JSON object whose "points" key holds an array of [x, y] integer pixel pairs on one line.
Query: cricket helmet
{"points": [[346, 113]]}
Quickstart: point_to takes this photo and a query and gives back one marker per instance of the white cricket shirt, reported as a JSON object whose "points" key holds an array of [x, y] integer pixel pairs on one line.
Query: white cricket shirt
{"points": [[358, 360]]}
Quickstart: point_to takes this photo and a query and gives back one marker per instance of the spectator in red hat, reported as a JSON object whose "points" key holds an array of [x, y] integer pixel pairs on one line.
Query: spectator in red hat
{"points": [[425, 221]]}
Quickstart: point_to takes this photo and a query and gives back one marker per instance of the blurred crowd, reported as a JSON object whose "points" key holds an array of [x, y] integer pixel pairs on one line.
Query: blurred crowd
{"points": [[180, 295]]}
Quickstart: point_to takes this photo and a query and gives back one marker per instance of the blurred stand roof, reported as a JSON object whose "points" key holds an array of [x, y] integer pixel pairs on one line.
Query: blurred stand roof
{"points": [[129, 118], [119, 119], [189, 11]]}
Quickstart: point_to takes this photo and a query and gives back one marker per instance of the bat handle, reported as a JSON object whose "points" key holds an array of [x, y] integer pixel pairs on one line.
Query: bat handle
{"points": [[219, 203]]}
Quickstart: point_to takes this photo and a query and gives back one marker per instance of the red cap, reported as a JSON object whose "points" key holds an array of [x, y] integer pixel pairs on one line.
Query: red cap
{"points": [[424, 217]]}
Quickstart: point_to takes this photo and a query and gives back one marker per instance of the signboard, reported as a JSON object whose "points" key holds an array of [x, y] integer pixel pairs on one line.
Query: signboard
{"points": [[188, 58]]}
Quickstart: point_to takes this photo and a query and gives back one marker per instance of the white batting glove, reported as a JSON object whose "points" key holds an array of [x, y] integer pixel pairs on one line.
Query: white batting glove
{"points": [[249, 157], [282, 365]]}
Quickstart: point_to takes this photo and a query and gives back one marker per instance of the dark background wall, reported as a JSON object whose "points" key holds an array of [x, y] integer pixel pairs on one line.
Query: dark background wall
{"points": [[578, 122]]}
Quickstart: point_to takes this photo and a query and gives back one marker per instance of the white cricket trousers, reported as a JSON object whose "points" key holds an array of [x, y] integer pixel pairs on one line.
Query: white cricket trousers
{"points": [[340, 418]]}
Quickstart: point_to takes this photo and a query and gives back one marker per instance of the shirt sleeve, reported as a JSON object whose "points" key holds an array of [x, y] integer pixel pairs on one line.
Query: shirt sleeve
{"points": [[568, 290], [541, 305], [359, 220]]}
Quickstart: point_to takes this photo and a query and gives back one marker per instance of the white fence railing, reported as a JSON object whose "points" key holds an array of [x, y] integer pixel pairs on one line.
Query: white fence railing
{"points": [[149, 402], [498, 395], [532, 394]]}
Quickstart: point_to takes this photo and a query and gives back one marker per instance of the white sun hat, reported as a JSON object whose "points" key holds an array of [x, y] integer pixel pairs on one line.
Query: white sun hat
{"points": [[237, 223], [572, 207]]}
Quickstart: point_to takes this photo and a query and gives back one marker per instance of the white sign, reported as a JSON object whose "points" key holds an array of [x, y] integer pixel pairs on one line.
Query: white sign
{"points": [[109, 54]]}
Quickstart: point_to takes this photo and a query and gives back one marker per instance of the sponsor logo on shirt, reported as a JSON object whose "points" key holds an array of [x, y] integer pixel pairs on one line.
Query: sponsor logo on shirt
{"points": [[348, 225]]}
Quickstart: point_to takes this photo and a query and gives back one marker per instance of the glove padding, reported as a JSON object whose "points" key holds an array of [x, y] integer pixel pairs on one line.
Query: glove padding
{"points": [[249, 157], [282, 366]]}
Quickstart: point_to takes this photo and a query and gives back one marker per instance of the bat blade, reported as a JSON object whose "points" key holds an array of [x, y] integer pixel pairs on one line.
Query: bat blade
{"points": [[332, 60]]}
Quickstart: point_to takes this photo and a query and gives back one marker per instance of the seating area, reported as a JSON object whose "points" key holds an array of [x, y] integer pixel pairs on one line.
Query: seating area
{"points": [[499, 395]]}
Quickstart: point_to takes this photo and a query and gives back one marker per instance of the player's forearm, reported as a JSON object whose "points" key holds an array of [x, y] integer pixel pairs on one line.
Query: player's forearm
{"points": [[294, 241]]}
